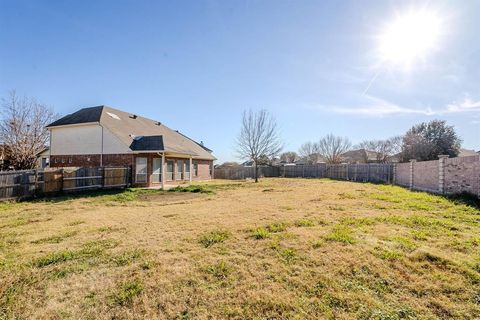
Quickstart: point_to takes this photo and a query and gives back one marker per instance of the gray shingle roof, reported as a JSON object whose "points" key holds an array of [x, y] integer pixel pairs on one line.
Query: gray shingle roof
{"points": [[84, 115], [127, 126]]}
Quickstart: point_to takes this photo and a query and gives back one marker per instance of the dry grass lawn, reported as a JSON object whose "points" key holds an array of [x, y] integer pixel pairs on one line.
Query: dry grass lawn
{"points": [[279, 249]]}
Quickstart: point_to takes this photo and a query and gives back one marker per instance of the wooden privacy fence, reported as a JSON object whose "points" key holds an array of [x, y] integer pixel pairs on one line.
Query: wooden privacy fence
{"points": [[371, 172], [32, 183], [239, 173]]}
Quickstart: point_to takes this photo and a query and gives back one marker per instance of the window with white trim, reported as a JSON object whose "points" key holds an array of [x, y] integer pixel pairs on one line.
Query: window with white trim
{"points": [[141, 170]]}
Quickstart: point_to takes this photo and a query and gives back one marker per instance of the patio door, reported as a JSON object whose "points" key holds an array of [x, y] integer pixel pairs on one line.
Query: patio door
{"points": [[157, 170]]}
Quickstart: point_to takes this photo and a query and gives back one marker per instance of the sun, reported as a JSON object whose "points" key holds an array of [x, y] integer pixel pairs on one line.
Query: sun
{"points": [[410, 37]]}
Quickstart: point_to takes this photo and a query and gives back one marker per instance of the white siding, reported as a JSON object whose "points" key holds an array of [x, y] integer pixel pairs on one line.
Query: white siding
{"points": [[84, 139]]}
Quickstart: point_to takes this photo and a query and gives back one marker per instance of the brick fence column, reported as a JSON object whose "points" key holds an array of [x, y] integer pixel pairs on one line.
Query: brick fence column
{"points": [[412, 165], [441, 173]]}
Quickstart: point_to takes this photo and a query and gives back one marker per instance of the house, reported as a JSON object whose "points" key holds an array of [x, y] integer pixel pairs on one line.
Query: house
{"points": [[467, 153], [104, 136], [43, 158], [361, 156]]}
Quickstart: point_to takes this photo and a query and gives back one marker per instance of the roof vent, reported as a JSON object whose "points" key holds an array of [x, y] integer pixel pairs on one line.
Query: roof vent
{"points": [[133, 116], [158, 123], [113, 115], [201, 142]]}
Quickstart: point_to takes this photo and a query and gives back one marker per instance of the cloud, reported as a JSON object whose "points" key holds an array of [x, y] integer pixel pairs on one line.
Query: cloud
{"points": [[465, 106], [377, 107]]}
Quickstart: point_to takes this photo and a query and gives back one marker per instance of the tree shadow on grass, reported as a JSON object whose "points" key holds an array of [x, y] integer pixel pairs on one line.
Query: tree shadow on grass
{"points": [[465, 198]]}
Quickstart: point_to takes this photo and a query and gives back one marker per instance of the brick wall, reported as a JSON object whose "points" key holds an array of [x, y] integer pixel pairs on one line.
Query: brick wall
{"points": [[462, 174], [203, 170], [425, 175], [91, 160], [402, 176]]}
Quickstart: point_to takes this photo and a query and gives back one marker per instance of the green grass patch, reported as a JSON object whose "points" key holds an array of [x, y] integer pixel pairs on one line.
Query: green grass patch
{"points": [[261, 233], [341, 233], [192, 188], [54, 258], [304, 223], [219, 270], [127, 292], [213, 237], [57, 238], [277, 227], [127, 257], [289, 255]]}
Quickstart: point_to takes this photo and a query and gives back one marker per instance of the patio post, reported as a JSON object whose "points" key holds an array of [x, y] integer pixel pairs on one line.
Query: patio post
{"points": [[190, 166]]}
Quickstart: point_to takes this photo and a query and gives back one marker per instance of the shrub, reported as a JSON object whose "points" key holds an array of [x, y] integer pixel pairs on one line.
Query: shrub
{"points": [[213, 237]]}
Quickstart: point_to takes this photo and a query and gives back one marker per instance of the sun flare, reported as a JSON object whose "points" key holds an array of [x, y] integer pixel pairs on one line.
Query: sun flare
{"points": [[410, 37]]}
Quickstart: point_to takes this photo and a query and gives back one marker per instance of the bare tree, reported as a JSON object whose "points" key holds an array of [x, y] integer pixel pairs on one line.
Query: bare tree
{"points": [[332, 147], [384, 149], [22, 129], [259, 138], [309, 152], [289, 157]]}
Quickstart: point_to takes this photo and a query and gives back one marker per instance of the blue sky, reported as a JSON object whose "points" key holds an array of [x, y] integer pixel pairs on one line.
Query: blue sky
{"points": [[196, 65]]}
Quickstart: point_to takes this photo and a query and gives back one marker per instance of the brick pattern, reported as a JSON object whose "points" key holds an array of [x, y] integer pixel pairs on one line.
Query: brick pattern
{"points": [[425, 175], [402, 174], [83, 160], [462, 175], [116, 160]]}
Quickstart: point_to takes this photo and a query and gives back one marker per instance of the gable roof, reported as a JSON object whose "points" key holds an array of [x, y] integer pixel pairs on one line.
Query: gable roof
{"points": [[136, 132], [84, 115]]}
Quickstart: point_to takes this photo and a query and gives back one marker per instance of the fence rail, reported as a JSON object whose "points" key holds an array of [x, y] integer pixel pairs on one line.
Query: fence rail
{"points": [[33, 183]]}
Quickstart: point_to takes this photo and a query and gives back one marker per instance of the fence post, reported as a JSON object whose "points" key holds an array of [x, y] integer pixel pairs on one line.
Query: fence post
{"points": [[368, 172], [394, 174], [441, 173], [412, 165]]}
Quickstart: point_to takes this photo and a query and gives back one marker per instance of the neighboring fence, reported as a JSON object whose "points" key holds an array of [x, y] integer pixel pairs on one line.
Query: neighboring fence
{"points": [[444, 176], [32, 183], [239, 173], [373, 172]]}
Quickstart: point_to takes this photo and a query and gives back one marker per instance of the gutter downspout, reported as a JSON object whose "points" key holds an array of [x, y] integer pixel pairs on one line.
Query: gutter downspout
{"points": [[101, 152]]}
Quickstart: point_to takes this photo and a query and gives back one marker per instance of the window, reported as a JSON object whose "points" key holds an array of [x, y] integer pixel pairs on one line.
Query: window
{"points": [[141, 170], [169, 170], [195, 169], [157, 170], [179, 169], [187, 170]]}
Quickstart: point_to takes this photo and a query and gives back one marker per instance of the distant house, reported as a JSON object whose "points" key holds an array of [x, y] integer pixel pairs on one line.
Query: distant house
{"points": [[467, 153], [43, 158], [361, 156], [104, 136]]}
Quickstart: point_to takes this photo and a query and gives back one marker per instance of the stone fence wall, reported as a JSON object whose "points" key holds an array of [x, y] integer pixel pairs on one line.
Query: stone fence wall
{"points": [[444, 176]]}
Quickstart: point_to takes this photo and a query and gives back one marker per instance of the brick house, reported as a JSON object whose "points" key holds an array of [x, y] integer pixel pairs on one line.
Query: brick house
{"points": [[103, 136]]}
